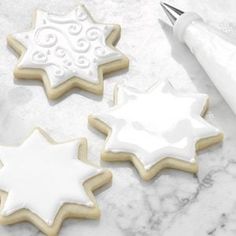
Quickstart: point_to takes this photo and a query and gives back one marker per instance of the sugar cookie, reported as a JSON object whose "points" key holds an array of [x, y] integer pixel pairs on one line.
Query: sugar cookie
{"points": [[44, 182], [67, 51], [157, 129]]}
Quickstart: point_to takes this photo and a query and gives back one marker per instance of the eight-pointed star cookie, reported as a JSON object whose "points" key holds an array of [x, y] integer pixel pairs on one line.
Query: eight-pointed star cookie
{"points": [[157, 129], [67, 51], [44, 182]]}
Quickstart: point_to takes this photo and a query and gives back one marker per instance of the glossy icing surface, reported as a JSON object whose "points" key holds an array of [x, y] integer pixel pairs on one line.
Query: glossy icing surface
{"points": [[41, 177], [217, 55], [67, 46], [156, 124]]}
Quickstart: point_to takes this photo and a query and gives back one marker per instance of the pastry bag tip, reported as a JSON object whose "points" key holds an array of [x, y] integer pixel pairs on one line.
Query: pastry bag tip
{"points": [[172, 12]]}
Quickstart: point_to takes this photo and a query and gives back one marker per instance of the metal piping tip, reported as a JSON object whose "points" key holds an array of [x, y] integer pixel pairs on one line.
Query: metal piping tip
{"points": [[172, 12]]}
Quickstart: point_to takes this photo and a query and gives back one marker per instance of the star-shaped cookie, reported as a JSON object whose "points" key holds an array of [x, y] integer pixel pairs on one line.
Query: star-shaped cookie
{"points": [[157, 129], [44, 182], [67, 51]]}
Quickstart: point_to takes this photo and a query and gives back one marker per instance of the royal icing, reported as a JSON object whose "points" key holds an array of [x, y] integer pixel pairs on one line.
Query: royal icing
{"points": [[217, 54], [156, 124], [67, 46], [41, 177]]}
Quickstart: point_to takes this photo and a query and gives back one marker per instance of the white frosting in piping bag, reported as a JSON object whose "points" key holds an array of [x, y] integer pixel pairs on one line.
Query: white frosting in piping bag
{"points": [[156, 124], [214, 51], [41, 177], [67, 46]]}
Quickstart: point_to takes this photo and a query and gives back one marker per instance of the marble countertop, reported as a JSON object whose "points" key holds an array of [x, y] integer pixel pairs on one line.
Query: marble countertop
{"points": [[174, 202]]}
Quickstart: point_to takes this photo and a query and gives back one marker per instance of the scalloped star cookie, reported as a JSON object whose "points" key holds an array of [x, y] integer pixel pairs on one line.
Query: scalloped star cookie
{"points": [[157, 129], [67, 51], [44, 182]]}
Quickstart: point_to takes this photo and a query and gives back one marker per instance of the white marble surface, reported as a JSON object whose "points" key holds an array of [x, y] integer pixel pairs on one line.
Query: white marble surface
{"points": [[173, 203]]}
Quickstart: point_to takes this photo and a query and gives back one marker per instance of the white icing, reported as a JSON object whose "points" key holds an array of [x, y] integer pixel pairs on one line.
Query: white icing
{"points": [[41, 177], [156, 124], [216, 54], [67, 46]]}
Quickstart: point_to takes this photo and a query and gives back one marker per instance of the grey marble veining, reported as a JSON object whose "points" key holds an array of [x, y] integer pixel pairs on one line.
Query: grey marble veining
{"points": [[174, 202]]}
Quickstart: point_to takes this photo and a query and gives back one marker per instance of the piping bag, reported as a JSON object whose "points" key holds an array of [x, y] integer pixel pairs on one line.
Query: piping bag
{"points": [[215, 53]]}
